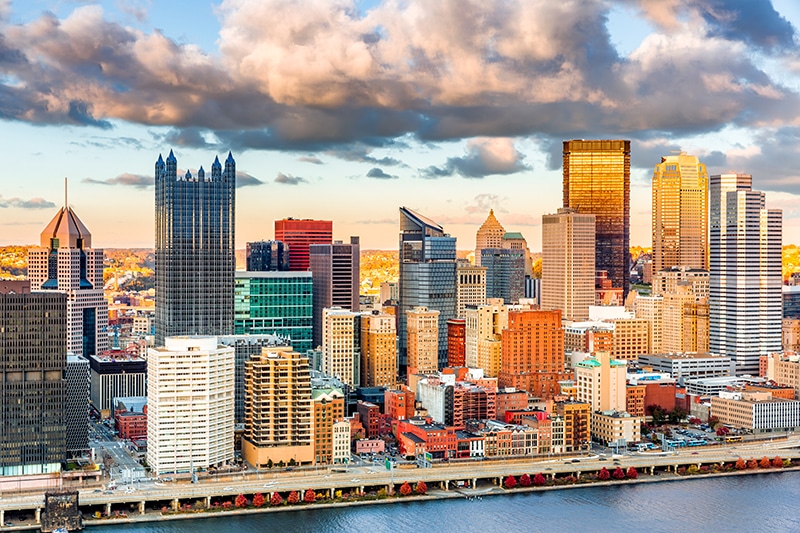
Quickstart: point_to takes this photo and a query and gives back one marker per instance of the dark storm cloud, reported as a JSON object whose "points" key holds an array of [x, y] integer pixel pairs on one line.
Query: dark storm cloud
{"points": [[754, 22]]}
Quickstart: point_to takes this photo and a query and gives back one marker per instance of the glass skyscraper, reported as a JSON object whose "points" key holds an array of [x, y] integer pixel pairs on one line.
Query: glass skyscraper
{"points": [[195, 259], [427, 276], [597, 181]]}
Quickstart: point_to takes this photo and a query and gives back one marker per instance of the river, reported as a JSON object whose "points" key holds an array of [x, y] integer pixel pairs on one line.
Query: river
{"points": [[753, 503]]}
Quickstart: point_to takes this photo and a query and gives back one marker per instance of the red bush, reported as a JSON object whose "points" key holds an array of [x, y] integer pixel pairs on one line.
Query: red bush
{"points": [[258, 499], [405, 489], [740, 464], [241, 501], [777, 462], [309, 497], [632, 473], [510, 482], [604, 474], [752, 464], [765, 462], [619, 473], [293, 498], [421, 488], [524, 480], [276, 499], [227, 505], [539, 480]]}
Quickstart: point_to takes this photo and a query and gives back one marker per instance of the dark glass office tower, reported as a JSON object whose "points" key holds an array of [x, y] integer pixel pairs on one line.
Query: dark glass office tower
{"points": [[195, 260], [427, 276], [267, 256], [336, 272], [505, 273], [597, 181], [33, 358]]}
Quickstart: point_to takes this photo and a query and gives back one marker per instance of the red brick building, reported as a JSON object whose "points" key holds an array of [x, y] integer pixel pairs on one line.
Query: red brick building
{"points": [[510, 400], [370, 416], [399, 404], [298, 235]]}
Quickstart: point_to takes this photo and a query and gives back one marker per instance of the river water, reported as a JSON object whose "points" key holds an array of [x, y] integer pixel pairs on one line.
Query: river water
{"points": [[752, 503]]}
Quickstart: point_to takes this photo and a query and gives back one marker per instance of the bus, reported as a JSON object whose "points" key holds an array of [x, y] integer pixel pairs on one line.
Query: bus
{"points": [[696, 442], [733, 438]]}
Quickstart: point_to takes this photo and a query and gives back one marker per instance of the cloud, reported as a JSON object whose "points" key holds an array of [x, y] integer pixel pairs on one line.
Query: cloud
{"points": [[482, 203], [136, 181], [484, 157], [310, 159], [381, 221], [19, 203], [377, 173], [243, 179], [288, 179], [360, 153]]}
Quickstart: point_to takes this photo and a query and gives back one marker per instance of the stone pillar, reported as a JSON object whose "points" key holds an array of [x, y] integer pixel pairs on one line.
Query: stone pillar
{"points": [[208, 502], [361, 489], [108, 509], [175, 504], [141, 507], [552, 475], [38, 515], [652, 470], [2, 516], [332, 492], [446, 486], [578, 474]]}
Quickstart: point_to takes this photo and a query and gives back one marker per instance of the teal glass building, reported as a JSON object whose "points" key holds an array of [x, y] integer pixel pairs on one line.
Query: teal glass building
{"points": [[275, 303]]}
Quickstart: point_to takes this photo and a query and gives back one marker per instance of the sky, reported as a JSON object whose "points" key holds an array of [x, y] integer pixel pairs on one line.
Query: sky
{"points": [[346, 110]]}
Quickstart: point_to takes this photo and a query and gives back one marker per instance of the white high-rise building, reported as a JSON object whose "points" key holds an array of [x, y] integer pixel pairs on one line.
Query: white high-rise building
{"points": [[190, 401], [568, 263], [471, 286], [339, 357], [745, 308]]}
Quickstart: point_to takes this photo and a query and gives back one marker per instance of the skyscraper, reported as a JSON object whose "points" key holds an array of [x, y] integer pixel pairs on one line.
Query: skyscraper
{"points": [[336, 272], [195, 260], [471, 288], [745, 264], [66, 262], [423, 340], [597, 180], [341, 354], [378, 350], [299, 234], [427, 276], [489, 235], [267, 256], [505, 273], [680, 213], [33, 328], [568, 254]]}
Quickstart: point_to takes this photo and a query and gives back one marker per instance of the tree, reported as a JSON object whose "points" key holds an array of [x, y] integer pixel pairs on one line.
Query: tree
{"points": [[258, 499], [604, 474], [281, 464], [619, 473], [293, 498], [632, 473], [227, 505], [658, 413], [276, 499], [740, 464], [677, 414], [309, 497], [722, 431], [777, 462], [752, 464], [524, 480], [270, 464], [510, 482], [765, 462], [292, 462], [539, 480], [405, 489], [712, 422], [241, 501], [421, 488]]}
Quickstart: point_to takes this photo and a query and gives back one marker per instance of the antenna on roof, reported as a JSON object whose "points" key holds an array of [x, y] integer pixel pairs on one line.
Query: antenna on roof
{"points": [[66, 205]]}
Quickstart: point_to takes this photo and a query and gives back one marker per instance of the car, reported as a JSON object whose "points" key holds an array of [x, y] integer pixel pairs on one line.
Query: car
{"points": [[575, 461], [228, 488], [355, 480], [603, 459]]}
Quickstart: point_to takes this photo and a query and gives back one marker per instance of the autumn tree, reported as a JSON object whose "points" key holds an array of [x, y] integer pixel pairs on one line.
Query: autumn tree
{"points": [[421, 488], [752, 464], [405, 489], [722, 431], [765, 462], [241, 501], [510, 482], [293, 498], [276, 499], [258, 499], [604, 474], [309, 497], [619, 473], [632, 473], [777, 462], [740, 464], [524, 480]]}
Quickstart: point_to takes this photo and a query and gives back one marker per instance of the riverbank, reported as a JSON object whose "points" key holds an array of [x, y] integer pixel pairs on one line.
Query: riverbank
{"points": [[438, 494]]}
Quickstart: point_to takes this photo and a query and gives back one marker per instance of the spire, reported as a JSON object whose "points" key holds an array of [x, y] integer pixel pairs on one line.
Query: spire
{"points": [[171, 157], [201, 174], [66, 204], [216, 163], [160, 160], [230, 158]]}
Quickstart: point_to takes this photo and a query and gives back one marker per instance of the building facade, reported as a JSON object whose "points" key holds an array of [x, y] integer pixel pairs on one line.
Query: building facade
{"points": [[76, 405], [471, 288], [489, 235], [298, 235], [194, 249], [114, 374], [378, 350], [505, 273], [341, 354], [597, 180], [336, 272], [267, 256], [423, 340]]}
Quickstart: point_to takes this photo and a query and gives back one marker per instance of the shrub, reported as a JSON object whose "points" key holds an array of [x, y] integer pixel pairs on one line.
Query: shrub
{"points": [[524, 480], [777, 462], [276, 499], [681, 470], [604, 474], [740, 464], [752, 464], [227, 505], [632, 473], [258, 500], [405, 489], [619, 473], [241, 501], [765, 462], [421, 488], [510, 482], [293, 498], [539, 480], [704, 469], [309, 497], [692, 470]]}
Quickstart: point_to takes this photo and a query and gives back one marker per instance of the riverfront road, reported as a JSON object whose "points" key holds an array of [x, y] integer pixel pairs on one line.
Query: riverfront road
{"points": [[359, 478]]}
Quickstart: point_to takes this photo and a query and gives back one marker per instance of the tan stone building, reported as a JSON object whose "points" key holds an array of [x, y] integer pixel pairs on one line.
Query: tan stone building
{"points": [[609, 427], [484, 326], [338, 345], [784, 369], [489, 235], [423, 340], [328, 410], [378, 350], [471, 286], [757, 411]]}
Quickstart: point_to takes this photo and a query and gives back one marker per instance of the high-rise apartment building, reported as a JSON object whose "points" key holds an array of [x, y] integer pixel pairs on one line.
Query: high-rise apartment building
{"points": [[597, 180], [684, 322], [471, 289], [423, 340], [484, 327], [651, 309], [505, 273], [267, 256], [66, 262], [680, 213], [378, 350], [427, 276], [341, 354], [33, 330], [195, 259], [489, 235], [568, 255], [601, 382], [298, 235], [745, 262], [275, 303], [279, 411], [336, 272], [190, 401], [533, 352]]}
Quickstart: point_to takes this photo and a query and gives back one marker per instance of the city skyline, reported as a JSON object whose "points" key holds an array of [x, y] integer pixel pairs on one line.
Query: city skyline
{"points": [[333, 119]]}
